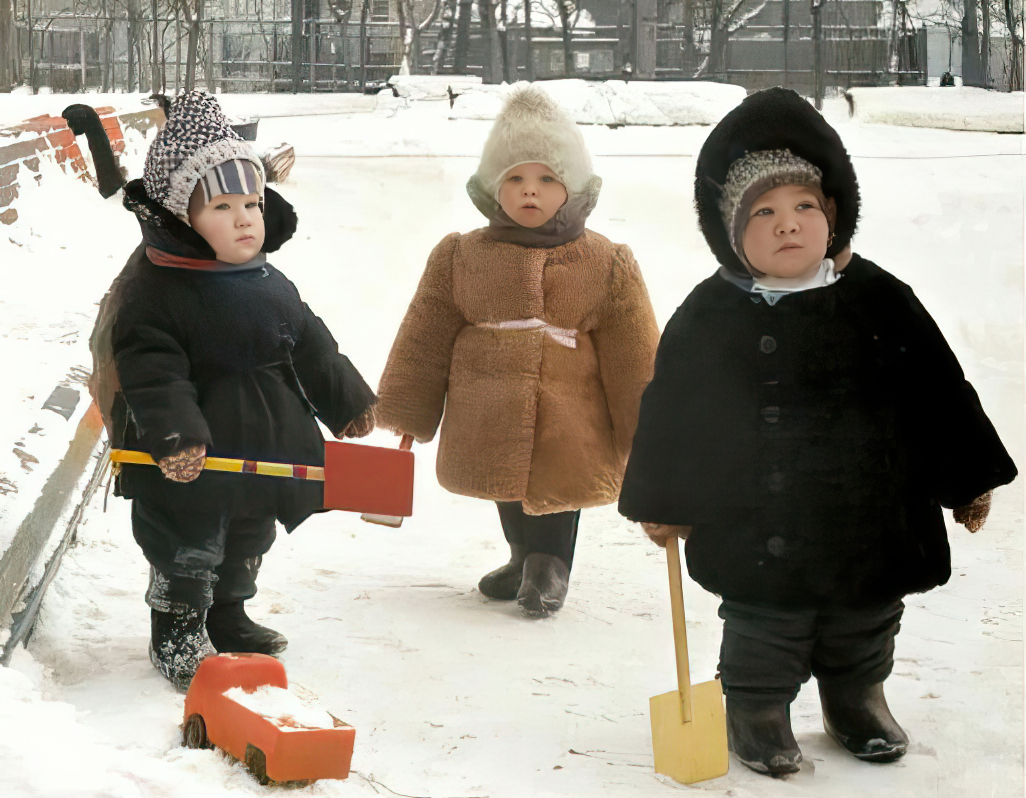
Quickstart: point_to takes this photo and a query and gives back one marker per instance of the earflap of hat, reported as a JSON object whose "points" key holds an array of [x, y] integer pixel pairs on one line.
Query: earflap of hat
{"points": [[773, 119]]}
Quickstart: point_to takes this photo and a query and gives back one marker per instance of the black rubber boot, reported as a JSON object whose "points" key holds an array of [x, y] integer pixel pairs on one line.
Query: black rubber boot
{"points": [[504, 583], [545, 581], [232, 631], [858, 718], [759, 733], [178, 643]]}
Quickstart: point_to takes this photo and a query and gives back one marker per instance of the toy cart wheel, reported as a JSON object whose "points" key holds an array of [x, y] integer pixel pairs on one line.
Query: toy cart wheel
{"points": [[257, 763], [194, 735]]}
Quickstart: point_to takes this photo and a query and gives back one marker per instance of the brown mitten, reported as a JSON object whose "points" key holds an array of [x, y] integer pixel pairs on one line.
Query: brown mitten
{"points": [[973, 515], [186, 465], [360, 426], [658, 533]]}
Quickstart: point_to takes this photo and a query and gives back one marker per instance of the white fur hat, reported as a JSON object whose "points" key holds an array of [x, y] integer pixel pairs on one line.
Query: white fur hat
{"points": [[532, 128]]}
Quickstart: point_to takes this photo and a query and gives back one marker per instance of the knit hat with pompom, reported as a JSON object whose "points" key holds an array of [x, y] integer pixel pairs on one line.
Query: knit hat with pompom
{"points": [[196, 138]]}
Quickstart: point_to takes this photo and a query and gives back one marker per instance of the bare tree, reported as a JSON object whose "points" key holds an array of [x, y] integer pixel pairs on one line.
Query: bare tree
{"points": [[721, 18], [463, 35], [1014, 24], [566, 10], [445, 34], [9, 56], [410, 31]]}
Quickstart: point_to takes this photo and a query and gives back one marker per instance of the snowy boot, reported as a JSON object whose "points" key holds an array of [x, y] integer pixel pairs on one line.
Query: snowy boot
{"points": [[759, 733], [543, 587], [178, 643], [232, 631], [504, 583], [858, 718]]}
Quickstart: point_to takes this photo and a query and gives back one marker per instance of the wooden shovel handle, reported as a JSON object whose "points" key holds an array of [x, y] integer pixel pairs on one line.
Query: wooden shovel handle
{"points": [[406, 443], [680, 635], [315, 473]]}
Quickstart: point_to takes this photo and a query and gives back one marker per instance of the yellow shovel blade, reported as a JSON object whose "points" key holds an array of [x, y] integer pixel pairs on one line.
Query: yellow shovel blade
{"points": [[693, 751]]}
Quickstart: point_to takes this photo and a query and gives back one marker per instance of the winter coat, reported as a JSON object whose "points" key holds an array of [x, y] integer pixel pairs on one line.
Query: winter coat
{"points": [[811, 444], [526, 418], [235, 361]]}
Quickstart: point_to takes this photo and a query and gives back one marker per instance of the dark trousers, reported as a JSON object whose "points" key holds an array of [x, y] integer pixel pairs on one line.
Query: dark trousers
{"points": [[770, 652], [555, 533], [199, 559]]}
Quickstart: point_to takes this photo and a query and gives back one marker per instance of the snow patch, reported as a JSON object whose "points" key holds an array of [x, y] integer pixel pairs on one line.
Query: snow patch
{"points": [[615, 102], [281, 707], [950, 108]]}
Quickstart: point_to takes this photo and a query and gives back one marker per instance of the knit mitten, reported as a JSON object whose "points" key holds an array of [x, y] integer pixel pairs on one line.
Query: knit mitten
{"points": [[186, 465], [973, 515]]}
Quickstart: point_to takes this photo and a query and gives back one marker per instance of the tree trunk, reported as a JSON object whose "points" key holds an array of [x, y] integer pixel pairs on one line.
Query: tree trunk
{"points": [[192, 46], [985, 43], [155, 77], [528, 35], [568, 54], [972, 68], [1015, 65], [297, 44], [504, 41], [8, 50], [444, 36], [402, 8], [462, 36], [492, 65]]}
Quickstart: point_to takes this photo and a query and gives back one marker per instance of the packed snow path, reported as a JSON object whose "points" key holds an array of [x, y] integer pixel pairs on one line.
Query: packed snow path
{"points": [[455, 695]]}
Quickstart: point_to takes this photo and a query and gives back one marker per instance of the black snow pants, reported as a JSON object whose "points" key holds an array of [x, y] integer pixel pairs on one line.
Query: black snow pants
{"points": [[199, 559], [768, 653], [555, 533]]}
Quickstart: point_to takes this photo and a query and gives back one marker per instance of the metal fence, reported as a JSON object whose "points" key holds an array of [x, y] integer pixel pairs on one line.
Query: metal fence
{"points": [[70, 53]]}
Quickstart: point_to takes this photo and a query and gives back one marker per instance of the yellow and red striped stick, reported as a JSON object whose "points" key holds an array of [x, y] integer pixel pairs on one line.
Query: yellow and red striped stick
{"points": [[315, 473]]}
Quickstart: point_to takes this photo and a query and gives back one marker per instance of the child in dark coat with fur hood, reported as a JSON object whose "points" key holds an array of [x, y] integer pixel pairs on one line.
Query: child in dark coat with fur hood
{"points": [[806, 423], [201, 348]]}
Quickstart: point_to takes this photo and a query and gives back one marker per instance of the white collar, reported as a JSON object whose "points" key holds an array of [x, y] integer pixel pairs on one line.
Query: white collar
{"points": [[823, 276]]}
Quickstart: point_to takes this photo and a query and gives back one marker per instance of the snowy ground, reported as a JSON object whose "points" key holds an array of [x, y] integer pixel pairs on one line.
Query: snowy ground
{"points": [[949, 108], [451, 694]]}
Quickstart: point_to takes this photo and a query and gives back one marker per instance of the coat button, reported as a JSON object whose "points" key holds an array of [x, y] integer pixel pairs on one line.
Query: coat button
{"points": [[768, 344], [771, 415], [776, 481]]}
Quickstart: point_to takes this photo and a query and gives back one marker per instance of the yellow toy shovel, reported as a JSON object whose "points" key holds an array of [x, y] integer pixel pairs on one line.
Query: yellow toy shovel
{"points": [[689, 726]]}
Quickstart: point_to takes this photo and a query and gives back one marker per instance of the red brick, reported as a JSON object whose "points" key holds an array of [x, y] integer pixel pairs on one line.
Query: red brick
{"points": [[61, 138], [10, 216], [22, 149], [8, 174], [8, 194]]}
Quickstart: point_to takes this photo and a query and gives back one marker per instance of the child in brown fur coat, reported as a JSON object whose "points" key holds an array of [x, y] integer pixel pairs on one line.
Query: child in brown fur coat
{"points": [[537, 338]]}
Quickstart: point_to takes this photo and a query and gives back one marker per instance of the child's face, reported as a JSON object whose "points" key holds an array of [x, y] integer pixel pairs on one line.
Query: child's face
{"points": [[531, 194], [787, 232], [231, 223]]}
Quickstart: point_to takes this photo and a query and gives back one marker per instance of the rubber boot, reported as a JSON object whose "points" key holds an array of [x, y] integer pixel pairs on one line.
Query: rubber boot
{"points": [[858, 718], [178, 643], [504, 583], [232, 631], [759, 733], [545, 581]]}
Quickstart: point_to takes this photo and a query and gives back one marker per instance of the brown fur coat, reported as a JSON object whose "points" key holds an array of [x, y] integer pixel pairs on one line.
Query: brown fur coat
{"points": [[526, 418]]}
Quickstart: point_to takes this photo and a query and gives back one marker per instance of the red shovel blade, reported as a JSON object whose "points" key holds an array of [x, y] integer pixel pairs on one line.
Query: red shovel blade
{"points": [[368, 479]]}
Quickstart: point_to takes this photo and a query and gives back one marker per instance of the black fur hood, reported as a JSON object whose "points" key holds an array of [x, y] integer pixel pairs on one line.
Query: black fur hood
{"points": [[773, 119]]}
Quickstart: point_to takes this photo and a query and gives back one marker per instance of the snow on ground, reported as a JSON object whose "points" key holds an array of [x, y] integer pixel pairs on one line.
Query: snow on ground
{"points": [[455, 695], [952, 108]]}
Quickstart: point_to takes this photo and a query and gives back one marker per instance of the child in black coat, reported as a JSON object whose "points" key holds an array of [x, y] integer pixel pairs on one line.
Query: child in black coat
{"points": [[203, 348], [806, 424]]}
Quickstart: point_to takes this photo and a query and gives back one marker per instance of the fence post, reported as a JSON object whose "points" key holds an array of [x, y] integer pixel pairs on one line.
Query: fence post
{"points": [[313, 54], [82, 53], [211, 83], [817, 52], [297, 38]]}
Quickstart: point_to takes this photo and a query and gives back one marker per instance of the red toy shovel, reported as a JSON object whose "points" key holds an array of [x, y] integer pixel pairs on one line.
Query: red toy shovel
{"points": [[357, 478]]}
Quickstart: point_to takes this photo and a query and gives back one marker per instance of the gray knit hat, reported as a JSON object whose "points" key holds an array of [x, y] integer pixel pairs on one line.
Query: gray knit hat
{"points": [[751, 176], [196, 138]]}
